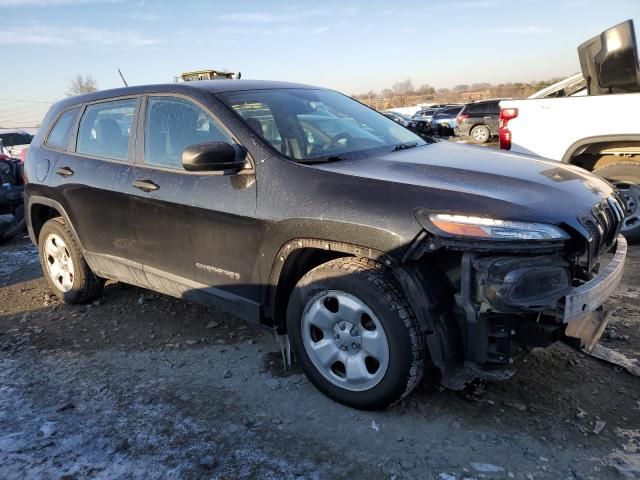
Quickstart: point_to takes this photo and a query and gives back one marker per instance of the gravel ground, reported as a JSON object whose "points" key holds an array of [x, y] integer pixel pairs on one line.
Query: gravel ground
{"points": [[139, 385]]}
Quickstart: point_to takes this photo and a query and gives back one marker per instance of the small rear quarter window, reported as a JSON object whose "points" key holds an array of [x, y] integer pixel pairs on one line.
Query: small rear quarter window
{"points": [[59, 134]]}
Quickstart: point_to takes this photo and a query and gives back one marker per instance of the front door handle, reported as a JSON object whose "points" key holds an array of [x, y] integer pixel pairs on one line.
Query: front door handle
{"points": [[64, 171], [145, 185]]}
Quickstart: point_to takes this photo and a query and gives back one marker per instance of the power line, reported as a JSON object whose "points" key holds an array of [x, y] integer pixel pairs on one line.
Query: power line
{"points": [[25, 100]]}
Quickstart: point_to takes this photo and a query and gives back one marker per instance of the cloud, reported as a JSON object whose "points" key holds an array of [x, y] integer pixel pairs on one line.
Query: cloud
{"points": [[51, 3], [241, 30], [528, 30], [348, 11], [145, 17], [319, 30], [292, 15], [471, 4], [57, 36], [258, 17]]}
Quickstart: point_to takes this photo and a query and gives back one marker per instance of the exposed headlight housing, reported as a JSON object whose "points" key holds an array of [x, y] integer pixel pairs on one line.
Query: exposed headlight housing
{"points": [[494, 229]]}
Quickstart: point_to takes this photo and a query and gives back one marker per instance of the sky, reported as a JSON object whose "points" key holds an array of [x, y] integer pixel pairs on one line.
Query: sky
{"points": [[351, 46]]}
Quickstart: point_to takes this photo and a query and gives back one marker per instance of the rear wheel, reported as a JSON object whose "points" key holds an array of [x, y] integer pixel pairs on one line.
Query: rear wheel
{"points": [[63, 265], [480, 134], [625, 176], [354, 333]]}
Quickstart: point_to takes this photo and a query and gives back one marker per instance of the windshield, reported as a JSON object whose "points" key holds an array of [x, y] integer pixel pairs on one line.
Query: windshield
{"points": [[308, 125]]}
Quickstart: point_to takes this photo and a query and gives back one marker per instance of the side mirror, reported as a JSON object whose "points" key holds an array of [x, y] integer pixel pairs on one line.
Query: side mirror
{"points": [[609, 61], [213, 157]]}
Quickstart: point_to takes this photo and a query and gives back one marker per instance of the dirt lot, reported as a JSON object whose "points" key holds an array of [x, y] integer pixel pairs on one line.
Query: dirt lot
{"points": [[141, 385]]}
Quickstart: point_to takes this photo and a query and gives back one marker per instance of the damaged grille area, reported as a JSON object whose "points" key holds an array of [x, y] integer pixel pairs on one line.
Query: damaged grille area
{"points": [[603, 224]]}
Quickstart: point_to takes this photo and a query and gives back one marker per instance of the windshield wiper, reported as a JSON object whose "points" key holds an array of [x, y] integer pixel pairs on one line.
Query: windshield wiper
{"points": [[330, 158], [404, 146]]}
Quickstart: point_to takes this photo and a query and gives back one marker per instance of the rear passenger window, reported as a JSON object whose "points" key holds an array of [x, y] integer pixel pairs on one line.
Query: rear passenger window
{"points": [[105, 129], [59, 134], [173, 124], [477, 108]]}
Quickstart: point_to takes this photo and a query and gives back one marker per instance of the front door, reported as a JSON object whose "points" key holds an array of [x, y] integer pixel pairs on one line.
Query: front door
{"points": [[193, 228]]}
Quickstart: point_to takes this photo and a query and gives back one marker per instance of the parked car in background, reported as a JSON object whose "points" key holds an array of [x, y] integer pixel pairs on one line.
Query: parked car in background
{"points": [[426, 114], [407, 121], [13, 142], [399, 118], [378, 257], [444, 120], [12, 220], [479, 120], [560, 123]]}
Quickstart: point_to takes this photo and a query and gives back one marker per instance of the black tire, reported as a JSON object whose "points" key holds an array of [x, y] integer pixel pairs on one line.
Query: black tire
{"points": [[625, 175], [480, 134], [374, 285], [86, 285]]}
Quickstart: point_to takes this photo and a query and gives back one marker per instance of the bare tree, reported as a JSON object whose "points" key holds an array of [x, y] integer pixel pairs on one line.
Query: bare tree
{"points": [[426, 89], [81, 84], [386, 93], [461, 88], [401, 89]]}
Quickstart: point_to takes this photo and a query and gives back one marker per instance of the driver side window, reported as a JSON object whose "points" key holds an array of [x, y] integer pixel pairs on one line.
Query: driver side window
{"points": [[171, 125]]}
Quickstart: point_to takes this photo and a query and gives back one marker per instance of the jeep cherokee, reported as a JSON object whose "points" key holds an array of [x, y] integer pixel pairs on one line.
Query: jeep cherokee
{"points": [[375, 255]]}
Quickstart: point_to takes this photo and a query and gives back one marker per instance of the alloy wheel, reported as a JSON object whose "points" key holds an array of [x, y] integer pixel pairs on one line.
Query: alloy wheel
{"points": [[480, 135]]}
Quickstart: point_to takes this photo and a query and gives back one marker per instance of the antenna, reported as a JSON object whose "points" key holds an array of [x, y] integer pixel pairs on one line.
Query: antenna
{"points": [[122, 77]]}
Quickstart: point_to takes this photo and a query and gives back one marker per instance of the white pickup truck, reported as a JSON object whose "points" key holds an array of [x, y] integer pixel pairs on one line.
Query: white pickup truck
{"points": [[590, 120]]}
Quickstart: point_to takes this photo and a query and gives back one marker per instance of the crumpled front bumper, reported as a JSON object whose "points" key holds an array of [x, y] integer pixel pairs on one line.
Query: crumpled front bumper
{"points": [[583, 312], [533, 298], [591, 295]]}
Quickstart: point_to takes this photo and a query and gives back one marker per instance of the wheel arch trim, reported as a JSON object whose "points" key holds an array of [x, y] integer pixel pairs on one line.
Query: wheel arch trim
{"points": [[35, 200], [583, 142], [301, 243], [409, 284]]}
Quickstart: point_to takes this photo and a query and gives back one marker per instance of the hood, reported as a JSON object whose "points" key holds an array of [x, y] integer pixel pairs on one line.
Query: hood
{"points": [[469, 180]]}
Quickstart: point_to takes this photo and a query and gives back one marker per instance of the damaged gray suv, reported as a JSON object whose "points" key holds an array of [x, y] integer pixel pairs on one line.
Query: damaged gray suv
{"points": [[377, 255]]}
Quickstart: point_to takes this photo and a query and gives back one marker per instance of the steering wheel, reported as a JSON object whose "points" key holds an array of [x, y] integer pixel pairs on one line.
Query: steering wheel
{"points": [[334, 141]]}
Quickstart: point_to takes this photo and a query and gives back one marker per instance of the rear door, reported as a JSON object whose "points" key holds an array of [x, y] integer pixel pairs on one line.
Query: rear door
{"points": [[91, 175], [193, 227]]}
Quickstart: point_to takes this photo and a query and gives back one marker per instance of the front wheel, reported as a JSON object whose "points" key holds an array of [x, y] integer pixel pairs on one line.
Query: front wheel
{"points": [[354, 334], [625, 176]]}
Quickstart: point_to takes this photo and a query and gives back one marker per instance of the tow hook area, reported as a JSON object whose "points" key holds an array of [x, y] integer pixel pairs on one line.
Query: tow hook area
{"points": [[585, 332]]}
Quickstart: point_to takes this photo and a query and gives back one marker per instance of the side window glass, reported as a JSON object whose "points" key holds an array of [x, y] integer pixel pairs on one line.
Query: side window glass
{"points": [[59, 134], [105, 129], [173, 124]]}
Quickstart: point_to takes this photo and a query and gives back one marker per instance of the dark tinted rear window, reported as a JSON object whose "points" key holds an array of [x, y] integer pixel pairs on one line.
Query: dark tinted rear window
{"points": [[476, 108], [484, 107], [494, 107], [59, 134]]}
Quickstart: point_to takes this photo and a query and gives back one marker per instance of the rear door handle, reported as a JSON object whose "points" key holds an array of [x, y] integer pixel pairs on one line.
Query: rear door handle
{"points": [[64, 171], [145, 185]]}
